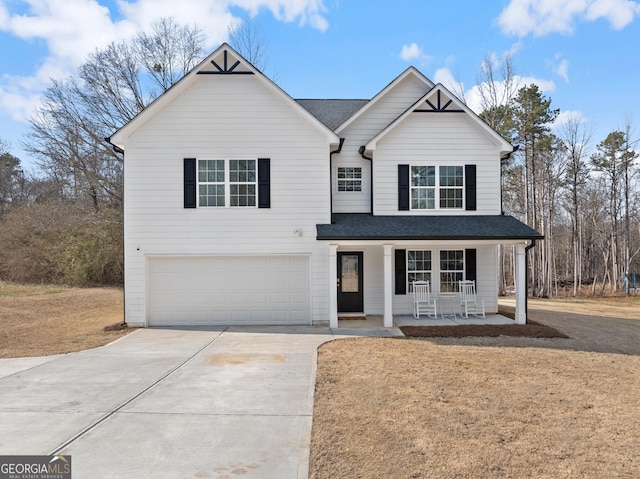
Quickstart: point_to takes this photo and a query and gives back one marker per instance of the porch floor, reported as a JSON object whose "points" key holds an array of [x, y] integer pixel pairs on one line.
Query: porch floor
{"points": [[373, 325]]}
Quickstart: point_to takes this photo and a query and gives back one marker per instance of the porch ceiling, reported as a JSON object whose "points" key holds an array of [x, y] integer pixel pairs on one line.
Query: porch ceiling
{"points": [[359, 226]]}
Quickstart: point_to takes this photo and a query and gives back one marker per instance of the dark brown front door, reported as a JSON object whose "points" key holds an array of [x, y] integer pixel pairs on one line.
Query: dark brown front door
{"points": [[350, 297]]}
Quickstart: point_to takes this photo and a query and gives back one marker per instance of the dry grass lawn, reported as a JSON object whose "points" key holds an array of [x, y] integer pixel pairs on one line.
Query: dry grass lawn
{"points": [[46, 320], [446, 407], [485, 407]]}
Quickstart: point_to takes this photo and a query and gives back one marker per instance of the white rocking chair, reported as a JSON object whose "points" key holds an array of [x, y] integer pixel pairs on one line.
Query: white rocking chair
{"points": [[469, 299], [423, 302]]}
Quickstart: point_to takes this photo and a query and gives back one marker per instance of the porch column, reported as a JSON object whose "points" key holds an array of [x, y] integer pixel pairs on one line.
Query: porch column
{"points": [[521, 285], [387, 319], [333, 290]]}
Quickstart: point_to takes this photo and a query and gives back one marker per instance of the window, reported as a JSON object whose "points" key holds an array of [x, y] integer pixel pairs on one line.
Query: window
{"points": [[423, 182], [430, 191], [349, 179], [451, 270], [418, 266], [451, 179], [227, 183]]}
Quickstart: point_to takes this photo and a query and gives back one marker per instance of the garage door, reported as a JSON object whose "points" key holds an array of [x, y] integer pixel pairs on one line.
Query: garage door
{"points": [[228, 290]]}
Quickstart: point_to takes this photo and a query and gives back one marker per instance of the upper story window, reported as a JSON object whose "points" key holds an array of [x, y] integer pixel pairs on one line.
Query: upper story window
{"points": [[227, 182], [349, 178], [436, 187]]}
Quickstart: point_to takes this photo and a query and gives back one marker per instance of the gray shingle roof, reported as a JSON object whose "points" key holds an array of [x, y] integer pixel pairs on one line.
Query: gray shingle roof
{"points": [[332, 113], [358, 226]]}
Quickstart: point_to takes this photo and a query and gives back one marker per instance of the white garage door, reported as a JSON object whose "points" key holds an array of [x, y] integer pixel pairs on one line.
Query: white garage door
{"points": [[228, 290]]}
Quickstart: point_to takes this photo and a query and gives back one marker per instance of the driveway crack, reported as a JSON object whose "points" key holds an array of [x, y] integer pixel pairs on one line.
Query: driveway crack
{"points": [[95, 423]]}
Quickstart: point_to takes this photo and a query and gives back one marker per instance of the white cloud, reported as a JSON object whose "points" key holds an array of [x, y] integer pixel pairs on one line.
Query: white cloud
{"points": [[71, 29], [562, 69], [414, 52], [474, 97], [444, 76], [566, 116], [542, 17]]}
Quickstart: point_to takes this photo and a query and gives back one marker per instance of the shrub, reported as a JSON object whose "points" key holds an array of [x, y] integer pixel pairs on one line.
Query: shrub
{"points": [[61, 243]]}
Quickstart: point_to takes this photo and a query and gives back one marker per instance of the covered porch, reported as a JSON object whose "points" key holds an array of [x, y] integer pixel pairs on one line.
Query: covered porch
{"points": [[374, 259]]}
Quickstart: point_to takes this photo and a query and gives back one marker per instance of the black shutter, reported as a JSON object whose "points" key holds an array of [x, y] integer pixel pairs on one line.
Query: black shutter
{"points": [[264, 183], [470, 187], [403, 187], [401, 271], [470, 264], [190, 182]]}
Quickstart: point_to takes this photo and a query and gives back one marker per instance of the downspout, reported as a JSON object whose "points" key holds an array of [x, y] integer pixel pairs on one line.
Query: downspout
{"points": [[505, 157], [331, 153], [361, 151], [526, 278], [119, 150]]}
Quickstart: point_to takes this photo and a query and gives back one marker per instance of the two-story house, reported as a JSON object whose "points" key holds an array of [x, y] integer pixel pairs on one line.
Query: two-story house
{"points": [[245, 206]]}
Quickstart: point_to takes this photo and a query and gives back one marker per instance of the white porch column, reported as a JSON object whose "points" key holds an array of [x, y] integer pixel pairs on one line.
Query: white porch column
{"points": [[521, 284], [387, 319], [333, 289]]}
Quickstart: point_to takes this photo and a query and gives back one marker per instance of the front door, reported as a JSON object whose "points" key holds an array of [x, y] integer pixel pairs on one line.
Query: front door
{"points": [[350, 297]]}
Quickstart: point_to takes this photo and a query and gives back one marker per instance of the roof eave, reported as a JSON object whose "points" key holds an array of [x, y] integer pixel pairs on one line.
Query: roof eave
{"points": [[427, 238]]}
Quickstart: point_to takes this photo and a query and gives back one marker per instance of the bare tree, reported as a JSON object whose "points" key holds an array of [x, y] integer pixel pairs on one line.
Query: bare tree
{"points": [[629, 170], [247, 38], [576, 137], [497, 87], [497, 91], [110, 88]]}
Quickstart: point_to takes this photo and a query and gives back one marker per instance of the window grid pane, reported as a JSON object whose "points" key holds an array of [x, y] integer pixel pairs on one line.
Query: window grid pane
{"points": [[451, 183], [451, 270], [242, 195], [418, 267], [242, 171], [349, 179], [242, 182], [211, 195], [451, 198], [423, 182], [211, 189]]}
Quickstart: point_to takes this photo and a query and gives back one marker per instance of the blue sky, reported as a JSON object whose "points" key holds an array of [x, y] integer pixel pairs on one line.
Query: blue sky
{"points": [[583, 54]]}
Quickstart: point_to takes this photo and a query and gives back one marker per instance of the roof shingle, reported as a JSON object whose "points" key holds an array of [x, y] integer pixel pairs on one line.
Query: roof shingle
{"points": [[359, 226]]}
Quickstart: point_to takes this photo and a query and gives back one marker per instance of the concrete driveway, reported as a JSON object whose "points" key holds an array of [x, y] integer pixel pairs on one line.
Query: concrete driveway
{"points": [[170, 403]]}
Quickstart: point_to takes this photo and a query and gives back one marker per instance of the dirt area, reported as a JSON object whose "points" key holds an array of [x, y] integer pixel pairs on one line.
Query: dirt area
{"points": [[46, 320], [486, 407]]}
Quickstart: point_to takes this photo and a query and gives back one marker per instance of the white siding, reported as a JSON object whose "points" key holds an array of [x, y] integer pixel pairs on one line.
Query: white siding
{"points": [[222, 116], [441, 139], [361, 131]]}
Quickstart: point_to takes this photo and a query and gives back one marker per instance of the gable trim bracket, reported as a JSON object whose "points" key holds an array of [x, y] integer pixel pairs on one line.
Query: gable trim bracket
{"points": [[225, 69], [440, 108]]}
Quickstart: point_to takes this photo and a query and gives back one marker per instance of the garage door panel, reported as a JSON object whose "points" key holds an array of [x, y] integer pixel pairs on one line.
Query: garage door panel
{"points": [[229, 290]]}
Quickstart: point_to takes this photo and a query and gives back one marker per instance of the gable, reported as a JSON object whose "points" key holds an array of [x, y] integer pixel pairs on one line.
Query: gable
{"points": [[225, 62], [440, 101], [400, 93]]}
